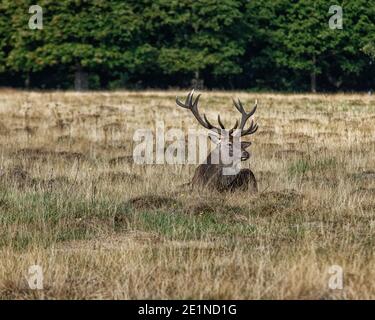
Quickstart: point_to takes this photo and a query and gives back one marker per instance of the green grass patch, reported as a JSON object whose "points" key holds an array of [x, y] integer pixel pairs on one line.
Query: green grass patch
{"points": [[188, 227]]}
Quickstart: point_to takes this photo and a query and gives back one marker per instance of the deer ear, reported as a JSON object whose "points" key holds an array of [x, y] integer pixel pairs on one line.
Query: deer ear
{"points": [[245, 144], [213, 138]]}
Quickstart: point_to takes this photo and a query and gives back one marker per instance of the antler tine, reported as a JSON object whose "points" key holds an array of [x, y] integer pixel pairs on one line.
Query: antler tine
{"points": [[239, 106], [195, 111], [220, 123], [255, 107], [192, 105], [188, 100], [245, 116], [234, 128], [252, 129], [210, 126]]}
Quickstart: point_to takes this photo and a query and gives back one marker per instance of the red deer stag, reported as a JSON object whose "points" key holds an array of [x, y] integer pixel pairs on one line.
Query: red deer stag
{"points": [[230, 151]]}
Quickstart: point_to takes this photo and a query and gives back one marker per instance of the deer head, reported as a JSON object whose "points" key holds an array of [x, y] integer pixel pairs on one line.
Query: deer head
{"points": [[230, 149]]}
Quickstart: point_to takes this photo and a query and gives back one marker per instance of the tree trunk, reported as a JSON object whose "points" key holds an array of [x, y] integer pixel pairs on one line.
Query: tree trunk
{"points": [[197, 83], [80, 79], [27, 81], [313, 82], [313, 76], [197, 75]]}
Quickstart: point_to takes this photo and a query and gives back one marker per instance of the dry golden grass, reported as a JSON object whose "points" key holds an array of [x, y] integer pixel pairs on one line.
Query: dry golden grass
{"points": [[72, 201]]}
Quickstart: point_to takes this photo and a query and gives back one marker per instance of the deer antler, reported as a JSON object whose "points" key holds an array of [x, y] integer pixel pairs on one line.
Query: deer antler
{"points": [[245, 116], [192, 105]]}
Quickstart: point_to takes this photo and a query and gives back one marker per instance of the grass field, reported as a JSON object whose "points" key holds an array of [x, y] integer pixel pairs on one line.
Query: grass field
{"points": [[100, 226]]}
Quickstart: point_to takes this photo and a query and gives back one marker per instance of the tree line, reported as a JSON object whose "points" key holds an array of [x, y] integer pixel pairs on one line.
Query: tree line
{"points": [[281, 45]]}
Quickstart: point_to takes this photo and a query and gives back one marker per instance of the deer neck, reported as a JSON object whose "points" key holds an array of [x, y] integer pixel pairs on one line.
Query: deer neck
{"points": [[214, 158]]}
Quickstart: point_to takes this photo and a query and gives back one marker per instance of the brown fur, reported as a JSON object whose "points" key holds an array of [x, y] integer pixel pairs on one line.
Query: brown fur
{"points": [[211, 176], [211, 173]]}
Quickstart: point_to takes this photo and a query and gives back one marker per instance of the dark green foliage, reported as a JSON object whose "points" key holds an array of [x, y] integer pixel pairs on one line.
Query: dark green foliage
{"points": [[277, 45], [370, 49]]}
